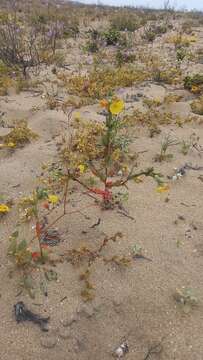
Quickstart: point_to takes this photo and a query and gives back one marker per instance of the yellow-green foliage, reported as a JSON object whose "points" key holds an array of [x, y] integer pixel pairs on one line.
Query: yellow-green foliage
{"points": [[125, 20], [10, 78], [197, 106], [99, 84], [19, 135], [179, 40], [171, 98], [153, 117], [162, 71], [85, 143]]}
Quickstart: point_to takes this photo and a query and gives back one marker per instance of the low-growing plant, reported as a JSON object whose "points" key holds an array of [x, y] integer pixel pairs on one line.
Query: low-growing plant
{"points": [[152, 118], [179, 40], [125, 21], [187, 27], [123, 57], [19, 136], [149, 34], [91, 46], [167, 142], [197, 106], [87, 256], [103, 82], [185, 146], [112, 37], [186, 298], [181, 53], [162, 72], [103, 149], [194, 83]]}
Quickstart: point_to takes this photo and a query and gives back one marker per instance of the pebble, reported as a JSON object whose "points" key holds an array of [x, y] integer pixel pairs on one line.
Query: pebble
{"points": [[79, 344], [86, 311], [64, 333], [69, 321], [48, 341]]}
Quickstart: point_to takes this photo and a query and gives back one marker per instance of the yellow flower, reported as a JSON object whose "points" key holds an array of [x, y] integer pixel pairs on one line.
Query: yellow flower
{"points": [[104, 103], [138, 179], [195, 89], [162, 188], [81, 167], [116, 107], [77, 115], [4, 209], [53, 199], [11, 144]]}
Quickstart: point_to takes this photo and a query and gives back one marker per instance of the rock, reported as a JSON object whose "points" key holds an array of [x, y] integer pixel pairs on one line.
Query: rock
{"points": [[79, 344], [48, 341], [86, 310], [70, 320], [64, 333]]}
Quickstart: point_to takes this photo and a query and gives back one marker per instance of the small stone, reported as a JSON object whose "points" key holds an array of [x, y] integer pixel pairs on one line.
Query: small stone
{"points": [[64, 333], [69, 321], [79, 344], [48, 341], [86, 310]]}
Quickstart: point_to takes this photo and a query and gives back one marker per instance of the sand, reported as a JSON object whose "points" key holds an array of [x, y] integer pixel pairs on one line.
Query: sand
{"points": [[135, 303]]}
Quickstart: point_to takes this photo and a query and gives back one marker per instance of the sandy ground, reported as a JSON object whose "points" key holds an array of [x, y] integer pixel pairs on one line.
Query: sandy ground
{"points": [[135, 303]]}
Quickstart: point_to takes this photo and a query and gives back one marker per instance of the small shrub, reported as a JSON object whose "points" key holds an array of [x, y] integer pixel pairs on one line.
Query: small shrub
{"points": [[125, 21], [103, 149], [149, 34], [179, 40], [194, 83], [91, 46], [100, 83], [166, 143], [18, 44], [181, 54], [197, 106], [123, 57], [186, 299], [19, 136], [112, 37]]}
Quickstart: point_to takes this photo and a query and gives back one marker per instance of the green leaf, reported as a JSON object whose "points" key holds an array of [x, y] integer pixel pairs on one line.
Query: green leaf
{"points": [[15, 234], [22, 245], [51, 275], [42, 193], [12, 246]]}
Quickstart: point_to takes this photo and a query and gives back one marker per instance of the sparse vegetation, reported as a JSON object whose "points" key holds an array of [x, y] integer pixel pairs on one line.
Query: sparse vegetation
{"points": [[100, 166]]}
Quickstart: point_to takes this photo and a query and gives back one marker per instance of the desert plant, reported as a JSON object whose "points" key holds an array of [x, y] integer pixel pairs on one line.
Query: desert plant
{"points": [[19, 136], [179, 40], [194, 83], [112, 37], [125, 21], [123, 57], [197, 106], [102, 82], [166, 143], [18, 44], [186, 298], [149, 34], [181, 54], [91, 46], [103, 149]]}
